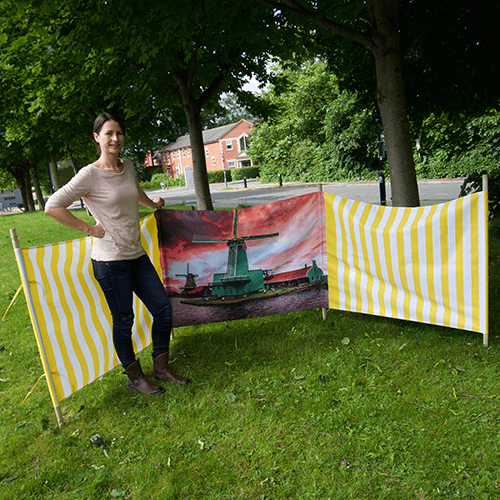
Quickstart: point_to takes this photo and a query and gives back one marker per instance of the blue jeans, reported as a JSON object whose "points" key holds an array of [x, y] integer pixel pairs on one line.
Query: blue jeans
{"points": [[118, 281]]}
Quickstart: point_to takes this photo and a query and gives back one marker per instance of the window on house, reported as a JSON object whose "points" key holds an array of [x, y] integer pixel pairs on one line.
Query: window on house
{"points": [[178, 153], [243, 143], [188, 153], [229, 145], [183, 153], [230, 164], [206, 152], [213, 161]]}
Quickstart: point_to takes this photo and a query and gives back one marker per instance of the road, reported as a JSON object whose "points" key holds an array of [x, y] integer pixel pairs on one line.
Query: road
{"points": [[431, 192], [236, 195]]}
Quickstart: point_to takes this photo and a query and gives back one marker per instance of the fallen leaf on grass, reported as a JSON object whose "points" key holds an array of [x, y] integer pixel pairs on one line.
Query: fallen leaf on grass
{"points": [[118, 493]]}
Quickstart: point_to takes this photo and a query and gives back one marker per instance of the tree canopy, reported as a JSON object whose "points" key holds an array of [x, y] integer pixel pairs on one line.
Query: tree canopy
{"points": [[161, 64], [155, 63], [388, 50], [316, 132]]}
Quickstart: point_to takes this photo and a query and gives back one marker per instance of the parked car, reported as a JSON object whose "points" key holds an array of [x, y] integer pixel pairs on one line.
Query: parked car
{"points": [[10, 200]]}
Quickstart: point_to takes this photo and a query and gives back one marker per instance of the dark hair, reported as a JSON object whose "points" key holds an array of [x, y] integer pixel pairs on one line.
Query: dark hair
{"points": [[106, 117]]}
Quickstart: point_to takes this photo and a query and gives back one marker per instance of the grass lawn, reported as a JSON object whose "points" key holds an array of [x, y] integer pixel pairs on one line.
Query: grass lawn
{"points": [[281, 407]]}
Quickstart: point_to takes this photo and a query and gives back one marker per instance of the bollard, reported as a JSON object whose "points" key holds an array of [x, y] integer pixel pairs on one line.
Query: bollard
{"points": [[381, 181], [244, 182], [280, 182]]}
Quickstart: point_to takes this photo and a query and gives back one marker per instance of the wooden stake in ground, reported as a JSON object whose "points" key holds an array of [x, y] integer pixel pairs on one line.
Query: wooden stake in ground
{"points": [[486, 336], [323, 309]]}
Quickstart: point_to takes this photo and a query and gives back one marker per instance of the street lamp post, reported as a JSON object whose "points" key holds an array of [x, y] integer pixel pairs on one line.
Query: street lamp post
{"points": [[224, 169], [381, 176]]}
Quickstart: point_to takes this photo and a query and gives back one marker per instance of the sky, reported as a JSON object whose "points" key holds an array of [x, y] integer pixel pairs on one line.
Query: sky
{"points": [[252, 86]]}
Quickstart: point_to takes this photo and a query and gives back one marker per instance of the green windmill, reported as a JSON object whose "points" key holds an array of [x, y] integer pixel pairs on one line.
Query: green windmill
{"points": [[238, 278]]}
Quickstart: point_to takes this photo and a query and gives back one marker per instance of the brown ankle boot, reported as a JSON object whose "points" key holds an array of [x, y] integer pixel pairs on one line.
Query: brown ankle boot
{"points": [[161, 371], [137, 381]]}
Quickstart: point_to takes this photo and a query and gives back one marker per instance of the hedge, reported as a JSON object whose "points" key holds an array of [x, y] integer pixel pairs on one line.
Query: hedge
{"points": [[249, 172], [217, 176]]}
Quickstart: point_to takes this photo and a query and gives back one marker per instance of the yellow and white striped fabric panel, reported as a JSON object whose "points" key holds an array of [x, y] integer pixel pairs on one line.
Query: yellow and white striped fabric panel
{"points": [[427, 264], [71, 318]]}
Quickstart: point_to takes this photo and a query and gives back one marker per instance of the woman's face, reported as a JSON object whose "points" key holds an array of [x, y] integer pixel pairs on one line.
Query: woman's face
{"points": [[110, 138]]}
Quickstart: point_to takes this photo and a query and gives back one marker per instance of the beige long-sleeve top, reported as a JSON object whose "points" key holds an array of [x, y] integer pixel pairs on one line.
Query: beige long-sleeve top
{"points": [[112, 199]]}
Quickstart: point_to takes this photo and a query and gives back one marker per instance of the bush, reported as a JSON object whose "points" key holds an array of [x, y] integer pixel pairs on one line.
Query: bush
{"points": [[157, 179], [474, 182], [217, 176], [237, 174], [460, 147]]}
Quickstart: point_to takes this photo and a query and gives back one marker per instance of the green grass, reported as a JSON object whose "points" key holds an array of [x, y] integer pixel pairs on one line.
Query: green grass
{"points": [[282, 407]]}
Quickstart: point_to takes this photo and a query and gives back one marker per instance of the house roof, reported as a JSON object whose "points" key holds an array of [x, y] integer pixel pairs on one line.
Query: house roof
{"points": [[209, 136], [214, 134], [290, 275]]}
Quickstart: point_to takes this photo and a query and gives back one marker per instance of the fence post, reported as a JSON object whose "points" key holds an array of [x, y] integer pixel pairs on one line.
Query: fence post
{"points": [[486, 336]]}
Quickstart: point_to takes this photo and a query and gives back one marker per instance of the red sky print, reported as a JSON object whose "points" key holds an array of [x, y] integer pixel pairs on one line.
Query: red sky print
{"points": [[301, 239]]}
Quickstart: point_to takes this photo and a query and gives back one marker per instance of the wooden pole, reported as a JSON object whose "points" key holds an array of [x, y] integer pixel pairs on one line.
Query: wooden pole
{"points": [[34, 322], [12, 302], [323, 309], [486, 336]]}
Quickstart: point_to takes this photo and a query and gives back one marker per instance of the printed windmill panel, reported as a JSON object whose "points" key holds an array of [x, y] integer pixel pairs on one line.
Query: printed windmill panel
{"points": [[249, 262]]}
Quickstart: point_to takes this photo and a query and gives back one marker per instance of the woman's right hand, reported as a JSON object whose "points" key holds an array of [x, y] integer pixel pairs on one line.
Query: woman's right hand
{"points": [[97, 231], [65, 217]]}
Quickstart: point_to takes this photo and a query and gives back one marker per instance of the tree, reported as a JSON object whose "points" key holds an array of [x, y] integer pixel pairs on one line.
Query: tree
{"points": [[33, 130], [378, 31], [149, 61], [228, 110], [450, 62], [315, 132]]}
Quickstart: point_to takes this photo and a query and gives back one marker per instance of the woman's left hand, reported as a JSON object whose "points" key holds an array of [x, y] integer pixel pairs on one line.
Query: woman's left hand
{"points": [[159, 202]]}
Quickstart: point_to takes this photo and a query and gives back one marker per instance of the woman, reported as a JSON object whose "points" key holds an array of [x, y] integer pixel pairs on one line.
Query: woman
{"points": [[111, 192]]}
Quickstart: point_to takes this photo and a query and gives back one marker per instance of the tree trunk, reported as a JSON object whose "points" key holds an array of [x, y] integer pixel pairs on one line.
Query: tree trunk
{"points": [[200, 174], [54, 177], [23, 182], [73, 161], [193, 116], [29, 203], [36, 184], [392, 102]]}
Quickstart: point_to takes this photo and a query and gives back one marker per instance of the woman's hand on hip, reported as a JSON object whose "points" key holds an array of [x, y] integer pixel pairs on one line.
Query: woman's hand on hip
{"points": [[97, 231]]}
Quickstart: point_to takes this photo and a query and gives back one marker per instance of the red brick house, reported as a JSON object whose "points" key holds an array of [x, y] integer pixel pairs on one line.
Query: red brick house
{"points": [[305, 276], [226, 147]]}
